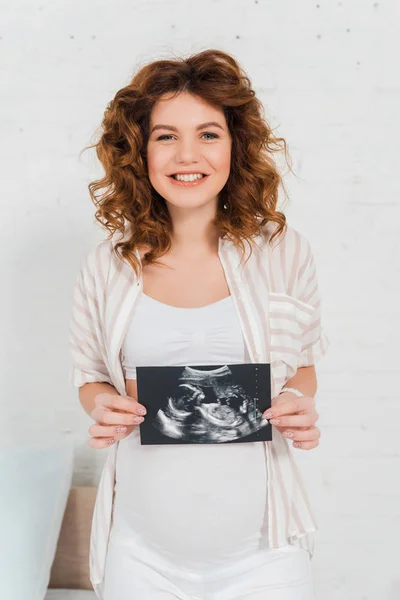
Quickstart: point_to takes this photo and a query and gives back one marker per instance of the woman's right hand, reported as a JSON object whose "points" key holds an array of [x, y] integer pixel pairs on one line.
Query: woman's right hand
{"points": [[115, 417]]}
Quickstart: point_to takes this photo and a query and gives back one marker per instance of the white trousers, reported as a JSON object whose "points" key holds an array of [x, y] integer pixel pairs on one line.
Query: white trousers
{"points": [[134, 572]]}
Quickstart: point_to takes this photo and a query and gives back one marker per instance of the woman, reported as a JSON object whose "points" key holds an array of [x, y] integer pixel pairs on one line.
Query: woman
{"points": [[189, 182]]}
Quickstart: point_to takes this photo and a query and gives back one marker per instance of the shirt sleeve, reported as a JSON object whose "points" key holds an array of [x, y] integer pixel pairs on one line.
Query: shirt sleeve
{"points": [[315, 342], [85, 345]]}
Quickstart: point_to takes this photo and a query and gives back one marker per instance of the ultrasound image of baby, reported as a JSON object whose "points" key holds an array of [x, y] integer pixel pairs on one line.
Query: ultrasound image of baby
{"points": [[208, 406]]}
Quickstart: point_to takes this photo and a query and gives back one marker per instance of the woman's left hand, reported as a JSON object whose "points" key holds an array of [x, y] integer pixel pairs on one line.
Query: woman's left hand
{"points": [[295, 419]]}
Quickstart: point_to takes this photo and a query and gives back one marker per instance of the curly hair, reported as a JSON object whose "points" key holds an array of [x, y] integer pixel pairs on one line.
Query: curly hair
{"points": [[124, 197]]}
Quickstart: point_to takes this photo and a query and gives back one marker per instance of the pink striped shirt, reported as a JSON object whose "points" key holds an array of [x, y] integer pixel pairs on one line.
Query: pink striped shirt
{"points": [[279, 307]]}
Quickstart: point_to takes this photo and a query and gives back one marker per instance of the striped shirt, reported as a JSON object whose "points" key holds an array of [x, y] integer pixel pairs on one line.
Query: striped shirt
{"points": [[278, 304]]}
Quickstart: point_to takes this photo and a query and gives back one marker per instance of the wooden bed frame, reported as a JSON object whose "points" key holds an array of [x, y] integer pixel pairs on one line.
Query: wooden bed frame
{"points": [[70, 568]]}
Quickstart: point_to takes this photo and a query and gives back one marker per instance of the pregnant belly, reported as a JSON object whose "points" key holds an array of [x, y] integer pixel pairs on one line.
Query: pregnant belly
{"points": [[200, 504]]}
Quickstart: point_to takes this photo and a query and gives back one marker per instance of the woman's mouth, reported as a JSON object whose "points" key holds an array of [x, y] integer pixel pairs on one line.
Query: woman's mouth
{"points": [[192, 182]]}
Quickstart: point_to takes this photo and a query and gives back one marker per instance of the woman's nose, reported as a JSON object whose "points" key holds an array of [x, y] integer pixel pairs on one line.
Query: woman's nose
{"points": [[187, 151]]}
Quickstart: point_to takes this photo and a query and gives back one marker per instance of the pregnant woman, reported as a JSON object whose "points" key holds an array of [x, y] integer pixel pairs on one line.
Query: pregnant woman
{"points": [[190, 184]]}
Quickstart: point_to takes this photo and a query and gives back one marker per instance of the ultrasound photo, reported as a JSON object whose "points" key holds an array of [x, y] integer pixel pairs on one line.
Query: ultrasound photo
{"points": [[204, 404]]}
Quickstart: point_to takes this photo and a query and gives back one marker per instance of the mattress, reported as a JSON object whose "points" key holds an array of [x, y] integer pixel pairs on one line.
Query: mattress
{"points": [[70, 595]]}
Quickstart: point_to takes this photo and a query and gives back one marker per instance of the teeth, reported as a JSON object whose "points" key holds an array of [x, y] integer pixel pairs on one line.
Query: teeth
{"points": [[191, 177]]}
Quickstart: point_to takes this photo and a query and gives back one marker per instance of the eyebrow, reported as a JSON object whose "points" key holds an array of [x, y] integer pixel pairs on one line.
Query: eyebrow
{"points": [[202, 126]]}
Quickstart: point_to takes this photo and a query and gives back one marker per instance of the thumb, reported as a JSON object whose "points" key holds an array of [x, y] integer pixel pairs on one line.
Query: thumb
{"points": [[277, 400]]}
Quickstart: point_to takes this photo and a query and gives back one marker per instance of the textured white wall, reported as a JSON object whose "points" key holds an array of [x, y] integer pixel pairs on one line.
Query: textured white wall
{"points": [[328, 77]]}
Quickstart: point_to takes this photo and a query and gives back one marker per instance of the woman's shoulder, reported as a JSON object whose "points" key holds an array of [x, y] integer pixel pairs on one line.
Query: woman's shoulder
{"points": [[290, 241], [98, 254], [97, 262]]}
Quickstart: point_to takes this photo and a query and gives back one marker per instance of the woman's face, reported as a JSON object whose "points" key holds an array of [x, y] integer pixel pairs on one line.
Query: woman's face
{"points": [[180, 142]]}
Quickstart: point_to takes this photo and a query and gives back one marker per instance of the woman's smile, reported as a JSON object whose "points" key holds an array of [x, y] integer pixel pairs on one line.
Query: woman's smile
{"points": [[194, 183]]}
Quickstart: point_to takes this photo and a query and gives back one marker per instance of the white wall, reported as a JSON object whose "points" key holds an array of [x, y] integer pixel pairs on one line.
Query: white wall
{"points": [[328, 76]]}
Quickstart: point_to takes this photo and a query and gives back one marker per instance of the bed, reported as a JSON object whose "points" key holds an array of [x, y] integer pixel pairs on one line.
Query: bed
{"points": [[69, 578]]}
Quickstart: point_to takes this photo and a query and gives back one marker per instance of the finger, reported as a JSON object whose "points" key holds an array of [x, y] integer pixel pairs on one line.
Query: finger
{"points": [[290, 406], [101, 442], [306, 445], [124, 403], [306, 420], [97, 430], [108, 417], [302, 435]]}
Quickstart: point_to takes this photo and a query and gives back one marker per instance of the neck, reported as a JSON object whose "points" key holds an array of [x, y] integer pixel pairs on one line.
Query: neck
{"points": [[194, 236]]}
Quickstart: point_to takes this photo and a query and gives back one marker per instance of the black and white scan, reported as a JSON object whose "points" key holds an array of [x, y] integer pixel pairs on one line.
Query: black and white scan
{"points": [[204, 404]]}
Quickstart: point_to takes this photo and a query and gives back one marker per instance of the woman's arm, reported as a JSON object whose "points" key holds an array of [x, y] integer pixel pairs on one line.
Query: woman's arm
{"points": [[304, 380], [114, 416], [88, 392], [295, 417]]}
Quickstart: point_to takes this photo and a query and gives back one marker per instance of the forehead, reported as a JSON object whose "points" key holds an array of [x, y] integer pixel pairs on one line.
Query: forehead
{"points": [[185, 109]]}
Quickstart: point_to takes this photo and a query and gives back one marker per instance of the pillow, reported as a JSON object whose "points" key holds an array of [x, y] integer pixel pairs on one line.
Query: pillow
{"points": [[70, 568], [35, 479], [70, 595]]}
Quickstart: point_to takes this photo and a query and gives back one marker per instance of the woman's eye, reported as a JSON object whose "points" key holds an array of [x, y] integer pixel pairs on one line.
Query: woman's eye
{"points": [[163, 137]]}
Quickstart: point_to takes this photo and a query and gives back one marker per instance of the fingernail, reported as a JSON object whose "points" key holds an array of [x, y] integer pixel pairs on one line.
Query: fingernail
{"points": [[268, 414], [288, 434], [141, 411], [275, 421], [120, 429], [138, 419], [110, 441], [297, 445]]}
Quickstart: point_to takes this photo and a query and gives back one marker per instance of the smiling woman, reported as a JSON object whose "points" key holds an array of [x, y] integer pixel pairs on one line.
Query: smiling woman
{"points": [[189, 181], [194, 116], [209, 155]]}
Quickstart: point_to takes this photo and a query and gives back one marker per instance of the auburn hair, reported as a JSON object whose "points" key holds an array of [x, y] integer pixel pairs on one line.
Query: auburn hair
{"points": [[125, 198]]}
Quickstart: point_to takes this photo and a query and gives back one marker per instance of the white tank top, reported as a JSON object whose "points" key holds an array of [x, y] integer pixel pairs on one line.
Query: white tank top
{"points": [[195, 503], [165, 335]]}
